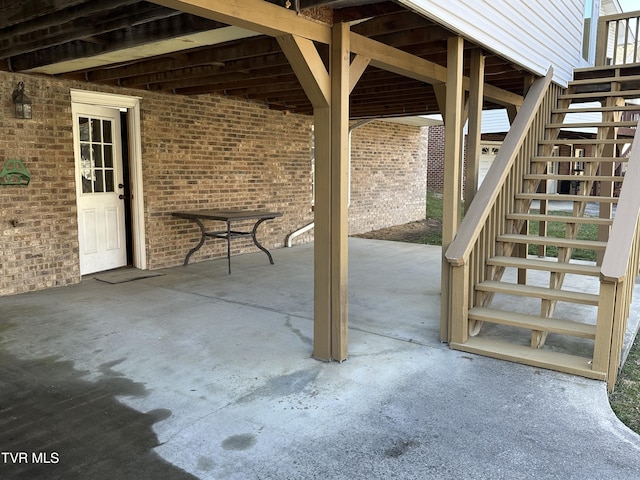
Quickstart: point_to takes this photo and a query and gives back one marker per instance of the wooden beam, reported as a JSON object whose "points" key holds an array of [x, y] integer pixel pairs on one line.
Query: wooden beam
{"points": [[257, 15], [474, 150], [309, 68], [452, 168], [269, 19], [440, 91], [397, 61], [357, 68], [340, 86]]}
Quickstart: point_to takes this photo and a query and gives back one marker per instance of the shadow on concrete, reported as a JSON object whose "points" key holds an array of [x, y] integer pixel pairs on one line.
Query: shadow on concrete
{"points": [[56, 425]]}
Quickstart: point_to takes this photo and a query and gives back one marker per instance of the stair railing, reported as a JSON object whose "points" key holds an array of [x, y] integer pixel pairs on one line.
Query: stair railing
{"points": [[485, 219], [619, 271], [618, 41]]}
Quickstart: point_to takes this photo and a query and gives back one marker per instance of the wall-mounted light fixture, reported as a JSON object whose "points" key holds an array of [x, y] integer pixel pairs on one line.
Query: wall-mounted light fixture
{"points": [[21, 102]]}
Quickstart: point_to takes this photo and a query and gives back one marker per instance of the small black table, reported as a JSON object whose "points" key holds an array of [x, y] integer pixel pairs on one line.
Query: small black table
{"points": [[227, 216]]}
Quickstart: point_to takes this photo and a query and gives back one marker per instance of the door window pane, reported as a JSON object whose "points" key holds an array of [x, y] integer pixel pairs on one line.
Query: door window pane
{"points": [[98, 185], [97, 156], [108, 156], [95, 130], [108, 181], [106, 132], [96, 152], [84, 129]]}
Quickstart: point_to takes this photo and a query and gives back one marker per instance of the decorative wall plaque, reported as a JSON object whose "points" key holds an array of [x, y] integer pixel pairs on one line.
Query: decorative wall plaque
{"points": [[14, 173]]}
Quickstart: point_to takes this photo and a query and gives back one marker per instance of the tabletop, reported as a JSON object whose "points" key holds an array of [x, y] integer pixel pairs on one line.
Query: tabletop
{"points": [[227, 215]]}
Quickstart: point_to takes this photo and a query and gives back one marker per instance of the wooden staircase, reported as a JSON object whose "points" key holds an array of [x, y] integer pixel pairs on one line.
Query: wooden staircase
{"points": [[538, 310]]}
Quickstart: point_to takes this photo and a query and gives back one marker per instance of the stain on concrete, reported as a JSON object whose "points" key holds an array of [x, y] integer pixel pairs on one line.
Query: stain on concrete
{"points": [[298, 332], [282, 386], [56, 425], [399, 448], [243, 441], [205, 464]]}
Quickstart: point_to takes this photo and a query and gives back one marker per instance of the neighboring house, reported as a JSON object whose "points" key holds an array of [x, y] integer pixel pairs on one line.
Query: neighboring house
{"points": [[192, 104]]}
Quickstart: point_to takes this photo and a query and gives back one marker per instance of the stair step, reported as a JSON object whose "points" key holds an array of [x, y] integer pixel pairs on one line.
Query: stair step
{"points": [[533, 322], [538, 292], [610, 70], [565, 198], [558, 242], [581, 178], [558, 218], [597, 95], [586, 141], [582, 159], [626, 123], [595, 108], [608, 79], [557, 361], [545, 265]]}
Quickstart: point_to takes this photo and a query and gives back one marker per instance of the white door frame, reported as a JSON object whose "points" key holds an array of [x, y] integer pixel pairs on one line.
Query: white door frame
{"points": [[132, 104]]}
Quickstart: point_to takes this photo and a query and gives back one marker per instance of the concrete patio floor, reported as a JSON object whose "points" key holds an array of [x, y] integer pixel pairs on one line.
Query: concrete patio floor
{"points": [[200, 374]]}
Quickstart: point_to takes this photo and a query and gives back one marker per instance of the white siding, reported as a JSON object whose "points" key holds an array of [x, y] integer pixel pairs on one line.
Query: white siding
{"points": [[497, 121], [535, 34]]}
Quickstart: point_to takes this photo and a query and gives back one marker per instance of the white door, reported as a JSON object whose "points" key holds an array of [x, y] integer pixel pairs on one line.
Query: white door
{"points": [[99, 185]]}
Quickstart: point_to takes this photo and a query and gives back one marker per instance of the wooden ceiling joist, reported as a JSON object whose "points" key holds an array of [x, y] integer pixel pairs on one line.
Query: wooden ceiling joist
{"points": [[112, 42]]}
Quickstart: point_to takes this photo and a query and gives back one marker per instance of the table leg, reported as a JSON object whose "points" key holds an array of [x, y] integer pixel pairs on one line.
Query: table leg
{"points": [[229, 245], [255, 240], [200, 243]]}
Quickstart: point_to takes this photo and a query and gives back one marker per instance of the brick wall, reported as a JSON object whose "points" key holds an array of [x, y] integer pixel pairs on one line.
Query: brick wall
{"points": [[41, 250], [388, 175], [231, 154], [435, 174], [196, 152]]}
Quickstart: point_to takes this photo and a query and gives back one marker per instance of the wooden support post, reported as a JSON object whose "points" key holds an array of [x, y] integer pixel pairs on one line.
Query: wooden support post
{"points": [[452, 169], [340, 88], [315, 81], [322, 236], [460, 303], [474, 150], [604, 327], [329, 94]]}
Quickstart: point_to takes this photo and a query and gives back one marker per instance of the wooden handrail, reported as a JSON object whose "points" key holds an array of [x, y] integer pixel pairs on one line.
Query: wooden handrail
{"points": [[608, 40], [620, 16], [474, 220], [622, 235]]}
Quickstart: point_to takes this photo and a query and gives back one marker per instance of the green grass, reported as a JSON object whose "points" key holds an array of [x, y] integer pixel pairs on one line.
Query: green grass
{"points": [[625, 400], [434, 212], [557, 230], [434, 205]]}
